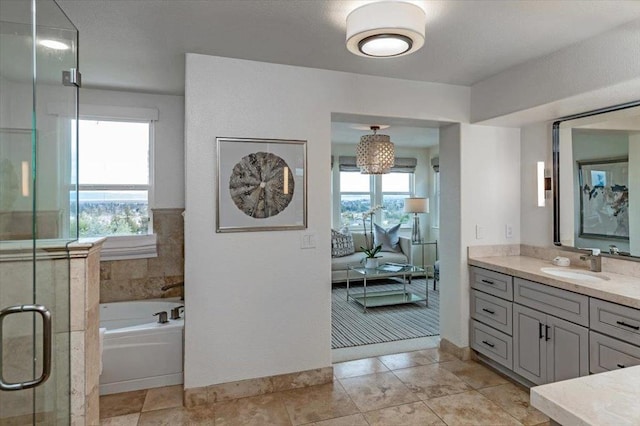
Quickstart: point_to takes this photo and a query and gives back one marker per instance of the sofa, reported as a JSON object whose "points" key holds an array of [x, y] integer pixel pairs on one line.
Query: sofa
{"points": [[339, 265]]}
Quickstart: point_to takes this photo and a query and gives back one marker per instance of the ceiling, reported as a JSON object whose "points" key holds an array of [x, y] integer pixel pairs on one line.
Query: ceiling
{"points": [[404, 132], [140, 44]]}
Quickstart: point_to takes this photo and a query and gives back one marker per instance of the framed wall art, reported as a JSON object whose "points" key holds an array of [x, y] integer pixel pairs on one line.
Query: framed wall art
{"points": [[261, 184], [604, 198]]}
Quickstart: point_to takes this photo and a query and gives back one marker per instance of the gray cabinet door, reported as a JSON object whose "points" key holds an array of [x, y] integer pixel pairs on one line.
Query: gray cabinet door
{"points": [[567, 349], [529, 345]]}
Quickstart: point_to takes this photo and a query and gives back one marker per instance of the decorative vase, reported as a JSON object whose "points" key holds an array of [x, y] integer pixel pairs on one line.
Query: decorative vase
{"points": [[371, 263]]}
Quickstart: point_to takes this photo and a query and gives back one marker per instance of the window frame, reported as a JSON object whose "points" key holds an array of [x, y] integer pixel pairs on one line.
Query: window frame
{"points": [[123, 247]]}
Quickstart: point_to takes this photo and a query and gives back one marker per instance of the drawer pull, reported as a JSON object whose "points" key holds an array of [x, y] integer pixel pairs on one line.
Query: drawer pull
{"points": [[489, 311], [621, 365], [491, 345], [488, 282], [540, 329], [546, 333], [624, 324]]}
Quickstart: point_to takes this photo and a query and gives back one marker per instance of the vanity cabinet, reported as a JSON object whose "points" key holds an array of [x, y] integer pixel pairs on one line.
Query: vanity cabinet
{"points": [[546, 348], [614, 337], [490, 328]]}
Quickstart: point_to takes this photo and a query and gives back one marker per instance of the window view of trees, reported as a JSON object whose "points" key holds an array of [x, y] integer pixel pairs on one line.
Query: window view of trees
{"points": [[113, 218]]}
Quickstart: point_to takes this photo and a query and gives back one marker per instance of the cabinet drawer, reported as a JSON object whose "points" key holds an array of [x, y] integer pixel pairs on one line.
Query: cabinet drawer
{"points": [[560, 303], [492, 343], [616, 320], [607, 353], [492, 311], [494, 283]]}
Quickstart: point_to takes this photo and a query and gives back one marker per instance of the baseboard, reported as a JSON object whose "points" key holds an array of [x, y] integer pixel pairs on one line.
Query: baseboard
{"points": [[145, 383], [259, 386], [461, 353]]}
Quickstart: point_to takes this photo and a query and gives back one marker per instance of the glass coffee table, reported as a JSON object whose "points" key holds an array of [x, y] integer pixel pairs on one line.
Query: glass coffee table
{"points": [[370, 299]]}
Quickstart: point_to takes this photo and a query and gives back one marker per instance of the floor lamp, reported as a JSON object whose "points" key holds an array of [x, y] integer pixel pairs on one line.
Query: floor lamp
{"points": [[416, 205]]}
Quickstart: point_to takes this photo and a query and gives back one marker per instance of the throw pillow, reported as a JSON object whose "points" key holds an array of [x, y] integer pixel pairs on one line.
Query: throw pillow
{"points": [[341, 244], [388, 238]]}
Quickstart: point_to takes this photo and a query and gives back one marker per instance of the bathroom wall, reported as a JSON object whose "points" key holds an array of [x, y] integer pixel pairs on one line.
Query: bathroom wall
{"points": [[142, 278], [257, 294]]}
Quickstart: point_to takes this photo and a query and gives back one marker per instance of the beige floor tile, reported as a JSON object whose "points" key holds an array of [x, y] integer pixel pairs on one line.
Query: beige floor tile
{"points": [[475, 374], [256, 410], [415, 358], [377, 391], [119, 404], [316, 403], [353, 420], [178, 416], [126, 420], [470, 408], [417, 414], [515, 401], [431, 381], [439, 355], [359, 367], [165, 397]]}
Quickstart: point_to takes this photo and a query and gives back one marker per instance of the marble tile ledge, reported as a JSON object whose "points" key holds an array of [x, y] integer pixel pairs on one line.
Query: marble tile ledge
{"points": [[526, 262], [609, 398]]}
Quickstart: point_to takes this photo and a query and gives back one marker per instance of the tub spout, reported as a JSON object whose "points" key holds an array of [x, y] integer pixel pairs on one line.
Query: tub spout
{"points": [[162, 317], [168, 286]]}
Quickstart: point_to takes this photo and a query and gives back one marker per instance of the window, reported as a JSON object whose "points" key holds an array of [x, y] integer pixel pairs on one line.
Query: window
{"points": [[356, 198], [395, 188], [114, 177]]}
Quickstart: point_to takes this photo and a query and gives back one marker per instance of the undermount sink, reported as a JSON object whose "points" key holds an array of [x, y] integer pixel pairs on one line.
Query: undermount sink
{"points": [[574, 274]]}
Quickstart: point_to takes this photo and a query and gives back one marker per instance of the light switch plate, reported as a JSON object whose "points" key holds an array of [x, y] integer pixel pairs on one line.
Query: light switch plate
{"points": [[508, 231], [479, 232], [308, 240]]}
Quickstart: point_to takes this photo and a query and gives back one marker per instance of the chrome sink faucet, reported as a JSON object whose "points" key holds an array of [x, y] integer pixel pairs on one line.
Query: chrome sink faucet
{"points": [[595, 261]]}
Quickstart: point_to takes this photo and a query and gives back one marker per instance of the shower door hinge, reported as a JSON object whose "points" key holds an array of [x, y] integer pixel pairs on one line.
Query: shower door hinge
{"points": [[72, 77]]}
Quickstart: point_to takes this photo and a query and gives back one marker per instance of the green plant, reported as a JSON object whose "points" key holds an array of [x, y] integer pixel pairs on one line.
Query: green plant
{"points": [[371, 253]]}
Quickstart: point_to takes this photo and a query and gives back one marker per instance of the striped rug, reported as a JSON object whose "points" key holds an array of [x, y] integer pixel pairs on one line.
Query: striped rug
{"points": [[352, 327]]}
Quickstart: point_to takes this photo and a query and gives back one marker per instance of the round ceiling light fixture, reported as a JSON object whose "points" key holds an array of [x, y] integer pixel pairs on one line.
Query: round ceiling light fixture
{"points": [[386, 29]]}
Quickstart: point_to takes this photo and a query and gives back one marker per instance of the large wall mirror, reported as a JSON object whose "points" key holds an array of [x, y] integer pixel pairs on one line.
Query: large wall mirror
{"points": [[596, 180]]}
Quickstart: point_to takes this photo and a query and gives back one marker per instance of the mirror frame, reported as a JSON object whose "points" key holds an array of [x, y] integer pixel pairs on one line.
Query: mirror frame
{"points": [[555, 133]]}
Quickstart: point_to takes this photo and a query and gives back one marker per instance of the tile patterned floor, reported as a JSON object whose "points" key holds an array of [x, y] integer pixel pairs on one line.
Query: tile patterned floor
{"points": [[425, 387]]}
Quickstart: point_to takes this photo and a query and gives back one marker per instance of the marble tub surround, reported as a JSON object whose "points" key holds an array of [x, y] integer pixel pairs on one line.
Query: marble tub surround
{"points": [[376, 391], [194, 397], [137, 279], [609, 398], [617, 288]]}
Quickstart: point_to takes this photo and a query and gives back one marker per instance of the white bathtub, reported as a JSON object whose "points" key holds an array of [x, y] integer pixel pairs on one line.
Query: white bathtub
{"points": [[138, 352]]}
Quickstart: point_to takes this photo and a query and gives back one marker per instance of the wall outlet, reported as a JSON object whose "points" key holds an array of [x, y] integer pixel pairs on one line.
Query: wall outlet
{"points": [[479, 232], [508, 231]]}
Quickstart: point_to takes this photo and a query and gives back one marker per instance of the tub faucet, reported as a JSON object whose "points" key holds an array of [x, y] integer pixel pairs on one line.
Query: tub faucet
{"points": [[595, 261], [162, 317], [175, 312]]}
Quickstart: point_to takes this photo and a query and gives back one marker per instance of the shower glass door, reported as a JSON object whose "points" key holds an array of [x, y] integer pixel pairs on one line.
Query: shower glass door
{"points": [[38, 210]]}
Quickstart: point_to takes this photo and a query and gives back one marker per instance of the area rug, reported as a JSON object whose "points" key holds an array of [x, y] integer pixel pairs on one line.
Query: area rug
{"points": [[352, 327]]}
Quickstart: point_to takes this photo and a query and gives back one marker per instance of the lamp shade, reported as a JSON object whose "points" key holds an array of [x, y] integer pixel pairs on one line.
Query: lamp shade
{"points": [[416, 205], [375, 154]]}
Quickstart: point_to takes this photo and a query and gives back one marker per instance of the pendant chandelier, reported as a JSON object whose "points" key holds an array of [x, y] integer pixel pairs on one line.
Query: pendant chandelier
{"points": [[375, 154]]}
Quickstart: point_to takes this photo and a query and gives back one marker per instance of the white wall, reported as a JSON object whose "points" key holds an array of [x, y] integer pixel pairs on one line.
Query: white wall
{"points": [[259, 305], [484, 168], [600, 62], [537, 222], [168, 138]]}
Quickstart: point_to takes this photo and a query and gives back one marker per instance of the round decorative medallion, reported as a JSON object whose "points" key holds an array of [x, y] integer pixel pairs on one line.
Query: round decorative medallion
{"points": [[261, 185]]}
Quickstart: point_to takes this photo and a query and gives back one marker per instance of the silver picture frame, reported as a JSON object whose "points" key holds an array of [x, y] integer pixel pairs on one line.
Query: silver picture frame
{"points": [[261, 184]]}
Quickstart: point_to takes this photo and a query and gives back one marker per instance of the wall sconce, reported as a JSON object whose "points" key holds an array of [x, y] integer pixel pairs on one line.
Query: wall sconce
{"points": [[544, 184]]}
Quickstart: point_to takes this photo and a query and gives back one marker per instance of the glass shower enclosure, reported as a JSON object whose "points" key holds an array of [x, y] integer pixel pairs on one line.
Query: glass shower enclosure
{"points": [[38, 209]]}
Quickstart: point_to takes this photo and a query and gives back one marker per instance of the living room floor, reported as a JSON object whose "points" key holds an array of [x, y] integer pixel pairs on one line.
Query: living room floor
{"points": [[425, 387]]}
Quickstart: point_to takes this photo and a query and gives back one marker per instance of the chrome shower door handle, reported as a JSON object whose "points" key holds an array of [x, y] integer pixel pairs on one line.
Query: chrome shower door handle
{"points": [[46, 346]]}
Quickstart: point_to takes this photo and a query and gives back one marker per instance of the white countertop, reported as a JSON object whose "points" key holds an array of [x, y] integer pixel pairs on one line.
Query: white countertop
{"points": [[611, 398], [621, 289]]}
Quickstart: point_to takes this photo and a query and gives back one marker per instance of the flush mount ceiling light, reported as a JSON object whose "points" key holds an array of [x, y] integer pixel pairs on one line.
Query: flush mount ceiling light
{"points": [[375, 154], [385, 29]]}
